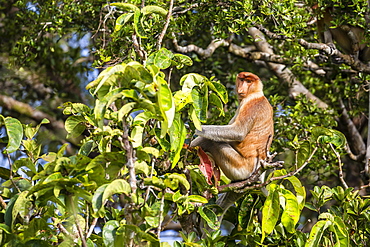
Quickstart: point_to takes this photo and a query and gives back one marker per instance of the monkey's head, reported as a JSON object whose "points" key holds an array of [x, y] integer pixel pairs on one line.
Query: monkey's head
{"points": [[247, 84]]}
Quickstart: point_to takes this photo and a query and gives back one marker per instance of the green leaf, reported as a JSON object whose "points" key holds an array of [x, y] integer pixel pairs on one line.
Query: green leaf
{"points": [[162, 58], [8, 217], [317, 232], [341, 233], [299, 189], [200, 102], [304, 153], [209, 216], [151, 9], [141, 234], [155, 181], [197, 198], [246, 213], [75, 126], [30, 132], [4, 173], [166, 105], [219, 89], [5, 228], [177, 137], [291, 213], [137, 136], [14, 130], [182, 99], [98, 203], [151, 150], [189, 81], [21, 206], [270, 211], [109, 232], [182, 60], [87, 147], [125, 6], [324, 135], [181, 178], [118, 186], [122, 20], [195, 119], [213, 99], [138, 16], [153, 221]]}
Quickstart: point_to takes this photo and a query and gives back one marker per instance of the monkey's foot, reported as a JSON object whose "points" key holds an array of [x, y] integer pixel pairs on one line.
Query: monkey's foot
{"points": [[268, 164]]}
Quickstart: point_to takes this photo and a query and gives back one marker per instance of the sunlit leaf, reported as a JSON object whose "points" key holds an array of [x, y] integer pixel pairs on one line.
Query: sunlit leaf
{"points": [[118, 186], [210, 217], [97, 201], [14, 131], [299, 189], [180, 178], [200, 103], [291, 213], [75, 126], [125, 6], [151, 9], [177, 137], [341, 232], [304, 153], [317, 233], [270, 211], [109, 232]]}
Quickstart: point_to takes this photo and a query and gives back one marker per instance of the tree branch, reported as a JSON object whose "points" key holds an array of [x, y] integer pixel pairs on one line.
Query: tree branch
{"points": [[340, 167], [352, 61], [27, 110], [130, 157], [243, 186], [204, 53], [284, 74], [168, 19], [353, 134]]}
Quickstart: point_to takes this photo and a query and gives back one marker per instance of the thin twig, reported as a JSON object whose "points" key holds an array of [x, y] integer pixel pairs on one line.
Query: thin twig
{"points": [[159, 229], [79, 229], [2, 203], [168, 19], [62, 228], [130, 157], [11, 173], [92, 227], [340, 167]]}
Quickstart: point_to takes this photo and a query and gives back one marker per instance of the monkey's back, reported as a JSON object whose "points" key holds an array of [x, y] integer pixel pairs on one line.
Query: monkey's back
{"points": [[259, 119]]}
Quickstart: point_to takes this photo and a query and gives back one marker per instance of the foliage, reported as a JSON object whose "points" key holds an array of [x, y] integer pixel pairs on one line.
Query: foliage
{"points": [[130, 171]]}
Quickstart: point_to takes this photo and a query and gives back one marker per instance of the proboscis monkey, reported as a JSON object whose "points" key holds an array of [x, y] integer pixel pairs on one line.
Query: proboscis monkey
{"points": [[350, 39], [238, 147]]}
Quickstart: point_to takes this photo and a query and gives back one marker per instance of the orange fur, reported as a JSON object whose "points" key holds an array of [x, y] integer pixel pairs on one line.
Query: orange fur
{"points": [[238, 147]]}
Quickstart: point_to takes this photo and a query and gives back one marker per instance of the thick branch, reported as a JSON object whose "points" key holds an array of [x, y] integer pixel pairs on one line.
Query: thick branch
{"points": [[27, 110], [249, 53], [204, 53], [353, 134], [352, 61], [284, 74]]}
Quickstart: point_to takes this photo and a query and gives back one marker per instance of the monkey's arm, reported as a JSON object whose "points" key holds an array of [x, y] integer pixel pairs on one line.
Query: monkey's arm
{"points": [[223, 133]]}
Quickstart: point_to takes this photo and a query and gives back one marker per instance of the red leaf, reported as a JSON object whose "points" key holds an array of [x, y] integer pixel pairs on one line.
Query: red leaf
{"points": [[206, 165]]}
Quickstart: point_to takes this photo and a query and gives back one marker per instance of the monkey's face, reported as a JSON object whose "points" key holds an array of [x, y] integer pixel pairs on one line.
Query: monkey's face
{"points": [[246, 84]]}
